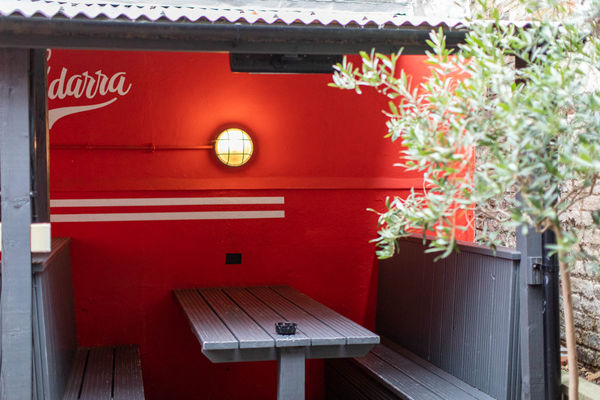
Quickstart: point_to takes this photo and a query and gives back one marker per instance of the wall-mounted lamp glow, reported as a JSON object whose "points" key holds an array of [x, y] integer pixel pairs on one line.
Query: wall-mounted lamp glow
{"points": [[234, 147]]}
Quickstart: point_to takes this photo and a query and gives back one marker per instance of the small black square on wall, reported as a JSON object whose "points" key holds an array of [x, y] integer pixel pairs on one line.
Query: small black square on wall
{"points": [[233, 258]]}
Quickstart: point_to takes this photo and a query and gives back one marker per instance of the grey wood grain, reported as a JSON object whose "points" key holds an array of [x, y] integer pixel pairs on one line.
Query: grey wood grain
{"points": [[97, 380], [354, 333], [422, 375], [248, 333], [128, 384], [57, 337], [395, 380], [290, 373], [73, 387], [40, 261], [319, 333], [103, 373], [208, 328], [354, 382], [340, 386], [438, 371], [17, 337], [265, 317], [40, 171]]}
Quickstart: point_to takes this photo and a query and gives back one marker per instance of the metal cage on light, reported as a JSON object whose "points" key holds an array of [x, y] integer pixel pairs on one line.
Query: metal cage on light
{"points": [[234, 147]]}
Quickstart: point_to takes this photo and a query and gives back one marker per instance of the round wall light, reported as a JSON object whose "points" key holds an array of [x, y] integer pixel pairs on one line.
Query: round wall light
{"points": [[234, 147]]}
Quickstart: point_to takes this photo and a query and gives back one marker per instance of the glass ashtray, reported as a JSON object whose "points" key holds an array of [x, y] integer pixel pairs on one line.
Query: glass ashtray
{"points": [[285, 328]]}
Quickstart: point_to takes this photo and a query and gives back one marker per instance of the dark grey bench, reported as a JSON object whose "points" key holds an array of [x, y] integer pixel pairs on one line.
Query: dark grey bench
{"points": [[106, 373], [61, 370], [449, 330], [392, 372]]}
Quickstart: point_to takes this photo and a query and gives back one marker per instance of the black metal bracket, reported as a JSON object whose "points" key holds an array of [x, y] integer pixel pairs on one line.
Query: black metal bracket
{"points": [[535, 274], [537, 269]]}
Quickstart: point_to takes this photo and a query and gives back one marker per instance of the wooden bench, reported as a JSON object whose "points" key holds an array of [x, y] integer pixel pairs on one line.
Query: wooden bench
{"points": [[449, 329], [392, 372], [61, 369], [106, 373]]}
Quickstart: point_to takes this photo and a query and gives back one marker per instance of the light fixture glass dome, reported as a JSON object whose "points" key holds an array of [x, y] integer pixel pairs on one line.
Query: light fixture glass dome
{"points": [[234, 147]]}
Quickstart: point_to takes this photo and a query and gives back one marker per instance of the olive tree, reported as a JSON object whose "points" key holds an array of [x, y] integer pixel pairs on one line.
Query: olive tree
{"points": [[537, 125]]}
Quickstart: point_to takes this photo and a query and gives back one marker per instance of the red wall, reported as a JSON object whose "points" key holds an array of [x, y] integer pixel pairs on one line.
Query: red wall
{"points": [[320, 148]]}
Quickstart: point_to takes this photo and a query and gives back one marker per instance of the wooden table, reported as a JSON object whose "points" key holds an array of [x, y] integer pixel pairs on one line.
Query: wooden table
{"points": [[238, 324]]}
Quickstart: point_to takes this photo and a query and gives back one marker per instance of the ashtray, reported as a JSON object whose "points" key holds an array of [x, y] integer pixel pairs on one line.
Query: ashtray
{"points": [[285, 328]]}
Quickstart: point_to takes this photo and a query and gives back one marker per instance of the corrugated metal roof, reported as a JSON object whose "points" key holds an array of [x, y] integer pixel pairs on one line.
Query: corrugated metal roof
{"points": [[380, 13]]}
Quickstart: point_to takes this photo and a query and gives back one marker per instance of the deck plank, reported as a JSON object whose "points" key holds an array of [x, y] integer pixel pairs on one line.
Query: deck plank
{"points": [[208, 328], [97, 382], [265, 317], [245, 329], [128, 384], [355, 333], [319, 333]]}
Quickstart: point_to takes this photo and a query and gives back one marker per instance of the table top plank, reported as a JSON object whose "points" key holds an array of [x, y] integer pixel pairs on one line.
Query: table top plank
{"points": [[319, 333], [208, 328], [265, 317], [355, 333], [245, 329]]}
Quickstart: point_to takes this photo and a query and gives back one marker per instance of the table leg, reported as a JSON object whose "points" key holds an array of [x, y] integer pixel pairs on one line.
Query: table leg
{"points": [[290, 373]]}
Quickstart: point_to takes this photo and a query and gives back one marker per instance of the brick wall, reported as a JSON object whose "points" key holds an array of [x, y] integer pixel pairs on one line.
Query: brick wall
{"points": [[586, 284]]}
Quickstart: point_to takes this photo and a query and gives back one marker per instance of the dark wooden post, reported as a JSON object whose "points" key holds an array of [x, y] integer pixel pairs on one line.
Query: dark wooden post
{"points": [[16, 224], [531, 303], [39, 136]]}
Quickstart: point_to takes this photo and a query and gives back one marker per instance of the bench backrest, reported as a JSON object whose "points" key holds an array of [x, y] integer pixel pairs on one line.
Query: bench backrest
{"points": [[460, 313], [54, 336]]}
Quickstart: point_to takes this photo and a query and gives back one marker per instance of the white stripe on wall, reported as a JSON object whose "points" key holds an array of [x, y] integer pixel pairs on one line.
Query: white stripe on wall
{"points": [[166, 216], [165, 201]]}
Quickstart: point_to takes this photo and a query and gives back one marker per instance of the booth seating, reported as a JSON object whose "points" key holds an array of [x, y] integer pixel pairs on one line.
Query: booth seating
{"points": [[61, 370], [390, 371], [448, 328], [106, 373]]}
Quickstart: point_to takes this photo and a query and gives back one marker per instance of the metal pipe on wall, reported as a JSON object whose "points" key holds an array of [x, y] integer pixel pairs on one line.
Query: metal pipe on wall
{"points": [[145, 147]]}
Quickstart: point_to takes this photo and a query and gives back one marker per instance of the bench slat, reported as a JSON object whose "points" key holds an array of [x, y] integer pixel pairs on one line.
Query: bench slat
{"points": [[97, 381], [73, 387], [128, 383], [246, 331], [395, 380], [355, 333], [103, 373], [422, 375], [266, 318], [209, 329], [351, 382], [438, 371], [340, 385], [319, 333]]}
